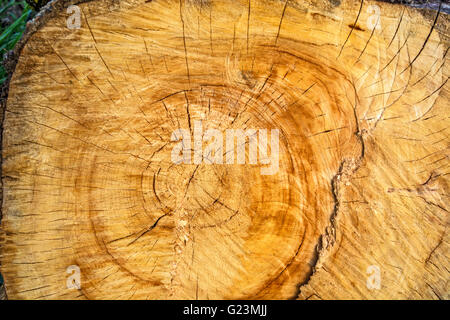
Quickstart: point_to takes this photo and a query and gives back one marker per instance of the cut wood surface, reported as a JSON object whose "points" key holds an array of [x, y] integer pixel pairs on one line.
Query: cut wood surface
{"points": [[357, 208]]}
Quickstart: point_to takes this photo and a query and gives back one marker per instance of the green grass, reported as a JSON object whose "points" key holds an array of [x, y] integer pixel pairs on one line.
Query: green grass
{"points": [[13, 18]]}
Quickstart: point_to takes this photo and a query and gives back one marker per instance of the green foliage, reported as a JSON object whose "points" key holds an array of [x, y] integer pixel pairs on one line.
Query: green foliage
{"points": [[37, 4], [13, 18]]}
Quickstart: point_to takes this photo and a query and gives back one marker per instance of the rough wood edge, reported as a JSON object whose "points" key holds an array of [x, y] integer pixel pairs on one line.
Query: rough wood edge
{"points": [[11, 59]]}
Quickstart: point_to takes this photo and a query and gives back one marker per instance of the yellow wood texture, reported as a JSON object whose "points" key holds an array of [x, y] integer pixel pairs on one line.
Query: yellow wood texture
{"points": [[361, 103]]}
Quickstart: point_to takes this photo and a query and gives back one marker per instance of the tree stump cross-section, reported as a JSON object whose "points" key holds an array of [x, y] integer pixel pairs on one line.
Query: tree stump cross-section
{"points": [[120, 180]]}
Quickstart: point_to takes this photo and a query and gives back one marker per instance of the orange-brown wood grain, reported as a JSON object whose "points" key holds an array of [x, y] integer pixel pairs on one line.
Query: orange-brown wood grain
{"points": [[360, 101]]}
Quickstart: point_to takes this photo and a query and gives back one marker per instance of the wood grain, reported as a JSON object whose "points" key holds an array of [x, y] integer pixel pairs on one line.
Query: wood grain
{"points": [[361, 104]]}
